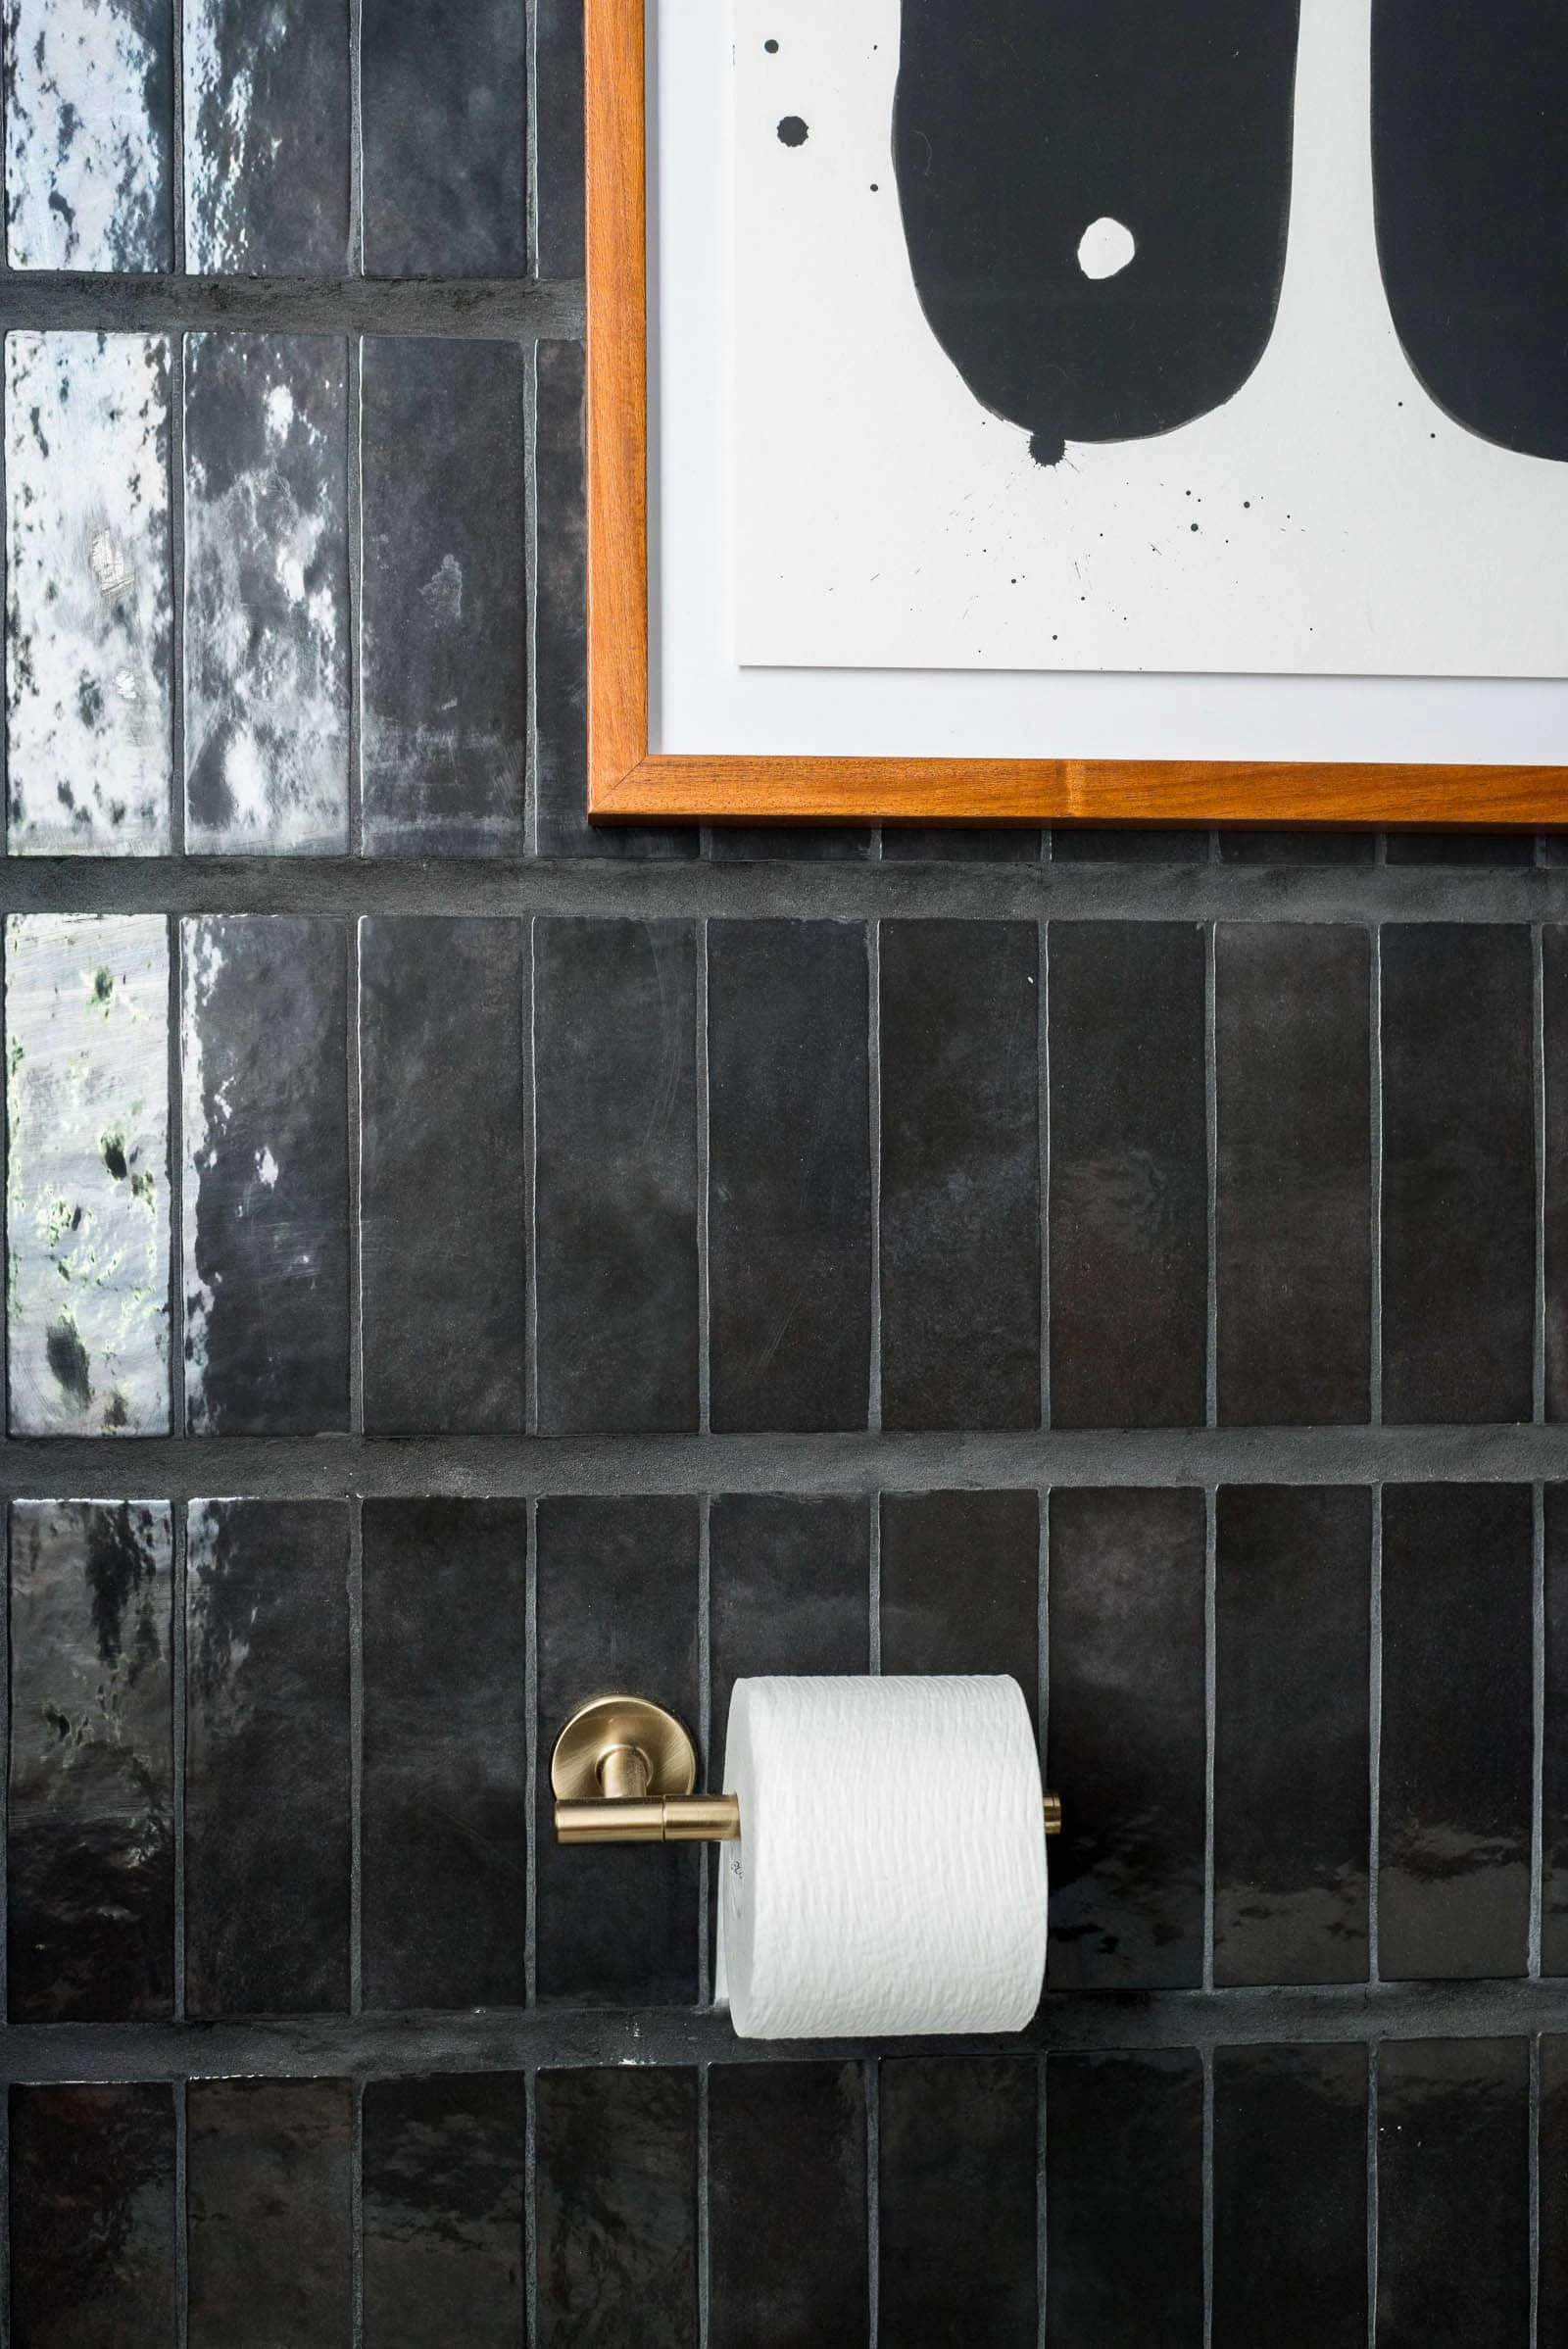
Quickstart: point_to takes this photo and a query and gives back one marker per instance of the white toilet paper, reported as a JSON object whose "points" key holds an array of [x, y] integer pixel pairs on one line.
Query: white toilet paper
{"points": [[890, 1875]]}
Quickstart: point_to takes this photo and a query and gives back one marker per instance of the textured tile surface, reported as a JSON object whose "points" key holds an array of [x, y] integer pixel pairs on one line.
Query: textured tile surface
{"points": [[445, 104], [617, 2209], [90, 1856], [960, 1585], [443, 2213], [1290, 2198], [1554, 1743], [267, 1757], [266, 594], [1124, 2200], [1554, 1172], [89, 595], [1553, 2266], [791, 1590], [94, 2221], [88, 129], [266, 1184], [268, 2212], [266, 137], [445, 612], [1453, 2169], [785, 2154], [87, 1174], [957, 2193], [445, 1802], [557, 69]]}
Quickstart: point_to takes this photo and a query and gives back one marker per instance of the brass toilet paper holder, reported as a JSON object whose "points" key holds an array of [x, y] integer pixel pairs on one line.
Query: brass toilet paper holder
{"points": [[623, 1771]]}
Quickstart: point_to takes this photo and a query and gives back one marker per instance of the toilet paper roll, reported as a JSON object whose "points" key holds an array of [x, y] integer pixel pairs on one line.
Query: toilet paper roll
{"points": [[890, 1875]]}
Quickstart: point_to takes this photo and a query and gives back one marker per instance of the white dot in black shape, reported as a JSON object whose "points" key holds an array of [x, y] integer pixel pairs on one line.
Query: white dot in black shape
{"points": [[1105, 248]]}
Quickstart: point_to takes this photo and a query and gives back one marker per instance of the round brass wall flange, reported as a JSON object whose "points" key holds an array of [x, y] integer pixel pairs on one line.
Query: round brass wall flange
{"points": [[611, 1724]]}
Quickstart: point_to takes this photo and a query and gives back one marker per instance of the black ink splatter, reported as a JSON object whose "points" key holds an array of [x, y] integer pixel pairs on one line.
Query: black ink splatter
{"points": [[793, 131], [772, 47]]}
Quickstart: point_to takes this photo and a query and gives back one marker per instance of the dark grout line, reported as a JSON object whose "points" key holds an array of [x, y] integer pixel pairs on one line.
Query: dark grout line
{"points": [[1534, 2190], [873, 997], [1208, 2196], [181, 2217], [530, 2205], [703, 2240], [355, 1611], [874, 2202], [1372, 2245], [530, 1734], [1042, 2204], [874, 1592], [496, 310], [530, 1185], [352, 1063], [1537, 1711], [179, 1620], [357, 2220], [1210, 1716], [1374, 1741], [530, 565]]}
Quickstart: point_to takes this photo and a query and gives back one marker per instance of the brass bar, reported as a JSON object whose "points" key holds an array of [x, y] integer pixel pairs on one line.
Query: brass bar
{"points": [[678, 1819], [624, 1773], [604, 1821], [701, 1819]]}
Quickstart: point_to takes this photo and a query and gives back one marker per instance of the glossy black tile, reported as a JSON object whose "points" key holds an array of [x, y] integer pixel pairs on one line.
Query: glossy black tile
{"points": [[1290, 2198], [956, 2184], [1126, 1740], [786, 2160], [1554, 1168], [616, 2208], [90, 1844], [913, 844], [1124, 2201], [89, 117], [960, 1174], [264, 1050], [92, 2218], [443, 2201], [1454, 1875], [616, 1607], [267, 1757], [268, 2212], [445, 1774], [558, 136], [788, 1174], [960, 1585], [1129, 1216], [790, 1578], [1292, 1734], [266, 138], [1458, 1173], [443, 1210], [616, 1215], [1553, 2171], [1554, 1742], [1294, 1202], [444, 103], [444, 604], [1453, 2202]]}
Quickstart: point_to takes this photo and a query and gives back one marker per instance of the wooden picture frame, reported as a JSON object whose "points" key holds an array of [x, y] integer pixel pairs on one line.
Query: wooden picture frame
{"points": [[628, 782]]}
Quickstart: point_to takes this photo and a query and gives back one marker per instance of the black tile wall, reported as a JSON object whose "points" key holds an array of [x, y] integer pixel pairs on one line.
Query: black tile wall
{"points": [[268, 2197], [444, 104], [1124, 2200], [266, 137], [959, 1585], [1554, 1737], [93, 2217], [957, 2156], [1453, 2158], [617, 2201], [1552, 2159], [1290, 2198], [787, 2150], [1555, 1169], [443, 2212]]}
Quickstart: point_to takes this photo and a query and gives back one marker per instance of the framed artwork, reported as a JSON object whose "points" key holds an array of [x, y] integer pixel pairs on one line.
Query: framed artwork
{"points": [[1045, 411]]}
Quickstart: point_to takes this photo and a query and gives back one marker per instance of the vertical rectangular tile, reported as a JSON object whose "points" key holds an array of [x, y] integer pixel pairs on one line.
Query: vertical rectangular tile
{"points": [[1553, 2253], [1124, 2200], [1554, 1170], [443, 1208], [1554, 1742], [87, 1173], [1127, 1738], [445, 1799], [789, 1230], [1290, 2198], [445, 602], [445, 103], [266, 138], [615, 1214], [266, 595], [961, 1174], [267, 2204], [1129, 1209], [960, 1585], [91, 1847], [616, 1607], [1292, 1734], [89, 595], [443, 2213], [1294, 1208], [1454, 1866], [957, 2201], [93, 2216], [790, 1578], [1458, 1173], [557, 137], [88, 131], [617, 2209], [786, 2158], [267, 1757], [265, 1051], [1454, 2154]]}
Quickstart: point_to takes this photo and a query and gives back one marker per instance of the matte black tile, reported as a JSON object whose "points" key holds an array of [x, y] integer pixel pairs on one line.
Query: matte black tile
{"points": [[1129, 1213], [1290, 2198], [1462, 848], [1553, 2277], [267, 2204], [1124, 2201], [1292, 1738], [790, 1578], [89, 123], [960, 1585], [445, 103], [266, 138], [960, 1175], [443, 2213], [790, 1174], [91, 1849], [617, 2209], [1294, 1216], [786, 2158], [958, 2141], [1126, 1740], [1086, 844], [1298, 848], [443, 1211], [1555, 1169], [1453, 2201], [92, 2218], [1554, 1743], [916, 844], [618, 1608], [1458, 1173], [558, 136], [1553, 848], [446, 618], [784, 844], [445, 1774], [615, 1214], [1453, 1879], [267, 1757]]}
